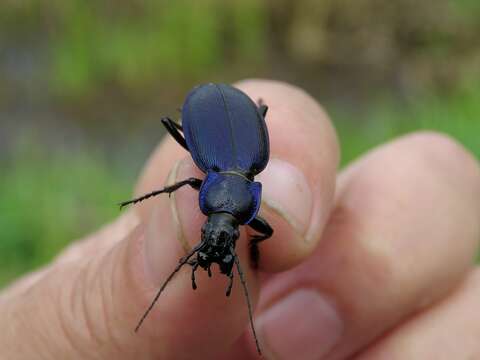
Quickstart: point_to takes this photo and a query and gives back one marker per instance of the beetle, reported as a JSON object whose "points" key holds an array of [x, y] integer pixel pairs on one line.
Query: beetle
{"points": [[225, 133]]}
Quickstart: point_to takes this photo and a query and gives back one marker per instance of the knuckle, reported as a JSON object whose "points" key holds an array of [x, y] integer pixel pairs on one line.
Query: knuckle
{"points": [[84, 310]]}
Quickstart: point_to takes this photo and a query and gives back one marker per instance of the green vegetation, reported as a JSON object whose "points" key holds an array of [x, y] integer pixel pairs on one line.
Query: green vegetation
{"points": [[50, 199], [135, 45], [457, 115]]}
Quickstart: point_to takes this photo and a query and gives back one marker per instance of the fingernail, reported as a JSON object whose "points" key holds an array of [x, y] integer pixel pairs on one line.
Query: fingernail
{"points": [[304, 325], [162, 228], [166, 233], [158, 241], [179, 167], [286, 191]]}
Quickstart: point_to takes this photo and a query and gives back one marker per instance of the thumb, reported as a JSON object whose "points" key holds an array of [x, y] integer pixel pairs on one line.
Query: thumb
{"points": [[88, 305]]}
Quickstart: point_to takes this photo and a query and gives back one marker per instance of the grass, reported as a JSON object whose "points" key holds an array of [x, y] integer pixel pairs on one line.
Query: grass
{"points": [[457, 115], [51, 198]]}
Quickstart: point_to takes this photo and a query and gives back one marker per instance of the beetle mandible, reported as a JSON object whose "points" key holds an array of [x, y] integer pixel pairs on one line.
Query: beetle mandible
{"points": [[225, 133]]}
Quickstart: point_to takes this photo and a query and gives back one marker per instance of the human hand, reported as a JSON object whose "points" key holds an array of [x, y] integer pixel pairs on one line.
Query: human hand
{"points": [[380, 259]]}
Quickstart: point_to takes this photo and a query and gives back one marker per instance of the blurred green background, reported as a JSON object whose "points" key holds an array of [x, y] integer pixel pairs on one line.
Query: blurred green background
{"points": [[83, 88]]}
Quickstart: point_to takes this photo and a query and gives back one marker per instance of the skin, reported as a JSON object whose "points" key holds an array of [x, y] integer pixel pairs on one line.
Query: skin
{"points": [[380, 259]]}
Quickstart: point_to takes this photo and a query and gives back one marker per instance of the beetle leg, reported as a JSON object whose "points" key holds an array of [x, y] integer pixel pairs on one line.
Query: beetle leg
{"points": [[194, 264], [174, 129], [230, 284], [193, 182], [262, 108], [260, 225]]}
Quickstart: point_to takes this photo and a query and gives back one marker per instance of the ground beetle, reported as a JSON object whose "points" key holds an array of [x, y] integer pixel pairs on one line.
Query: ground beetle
{"points": [[226, 135]]}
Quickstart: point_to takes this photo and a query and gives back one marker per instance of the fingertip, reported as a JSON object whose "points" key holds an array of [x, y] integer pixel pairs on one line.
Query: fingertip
{"points": [[280, 93]]}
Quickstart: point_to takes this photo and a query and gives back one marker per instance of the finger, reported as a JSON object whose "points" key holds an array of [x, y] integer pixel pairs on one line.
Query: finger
{"points": [[403, 234], [449, 330], [298, 183]]}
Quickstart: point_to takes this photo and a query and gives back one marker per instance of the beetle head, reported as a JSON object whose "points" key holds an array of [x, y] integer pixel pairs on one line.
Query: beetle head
{"points": [[219, 235]]}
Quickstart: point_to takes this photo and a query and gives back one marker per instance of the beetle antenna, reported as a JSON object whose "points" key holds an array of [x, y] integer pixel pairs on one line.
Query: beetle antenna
{"points": [[182, 262], [141, 198], [247, 297]]}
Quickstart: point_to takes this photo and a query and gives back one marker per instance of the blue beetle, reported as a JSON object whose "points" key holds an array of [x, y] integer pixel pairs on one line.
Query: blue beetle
{"points": [[226, 135]]}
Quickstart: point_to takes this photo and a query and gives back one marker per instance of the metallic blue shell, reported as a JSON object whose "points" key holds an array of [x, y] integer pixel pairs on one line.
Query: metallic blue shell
{"points": [[224, 130]]}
